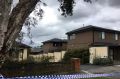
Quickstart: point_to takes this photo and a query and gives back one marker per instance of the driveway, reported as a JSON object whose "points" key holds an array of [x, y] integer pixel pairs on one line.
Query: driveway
{"points": [[100, 69], [94, 69]]}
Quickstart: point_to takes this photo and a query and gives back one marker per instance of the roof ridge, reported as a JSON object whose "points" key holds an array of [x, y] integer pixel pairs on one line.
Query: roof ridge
{"points": [[89, 27]]}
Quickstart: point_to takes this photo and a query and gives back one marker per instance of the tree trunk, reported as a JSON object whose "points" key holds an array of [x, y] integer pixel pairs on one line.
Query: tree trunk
{"points": [[5, 7], [11, 25]]}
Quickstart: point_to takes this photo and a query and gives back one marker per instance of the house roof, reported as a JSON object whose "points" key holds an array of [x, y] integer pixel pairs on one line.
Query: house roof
{"points": [[22, 45], [36, 51], [91, 27], [55, 40]]}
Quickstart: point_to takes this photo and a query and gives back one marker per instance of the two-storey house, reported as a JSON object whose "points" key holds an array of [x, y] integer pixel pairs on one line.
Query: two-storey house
{"points": [[101, 42], [55, 47]]}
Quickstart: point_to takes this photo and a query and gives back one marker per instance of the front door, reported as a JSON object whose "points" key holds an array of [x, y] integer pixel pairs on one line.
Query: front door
{"points": [[111, 54]]}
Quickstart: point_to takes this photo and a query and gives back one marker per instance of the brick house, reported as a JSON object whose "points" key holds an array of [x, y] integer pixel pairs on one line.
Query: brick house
{"points": [[102, 42], [55, 47]]}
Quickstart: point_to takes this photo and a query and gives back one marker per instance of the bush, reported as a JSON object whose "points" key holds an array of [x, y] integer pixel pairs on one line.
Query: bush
{"points": [[83, 54], [46, 59], [30, 59], [102, 61], [11, 65]]}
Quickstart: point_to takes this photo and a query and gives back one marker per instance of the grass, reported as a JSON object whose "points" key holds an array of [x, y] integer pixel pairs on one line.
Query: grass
{"points": [[98, 78]]}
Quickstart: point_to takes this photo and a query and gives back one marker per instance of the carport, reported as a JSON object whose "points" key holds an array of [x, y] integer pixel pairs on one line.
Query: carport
{"points": [[114, 54]]}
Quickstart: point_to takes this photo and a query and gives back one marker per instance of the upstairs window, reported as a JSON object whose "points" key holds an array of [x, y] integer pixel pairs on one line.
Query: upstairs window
{"points": [[57, 44], [116, 36], [102, 35], [72, 36], [54, 44]]}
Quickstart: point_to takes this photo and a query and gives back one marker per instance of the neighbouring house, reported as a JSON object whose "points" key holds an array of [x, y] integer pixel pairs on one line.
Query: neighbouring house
{"points": [[55, 47], [36, 53], [36, 50], [19, 52], [101, 42]]}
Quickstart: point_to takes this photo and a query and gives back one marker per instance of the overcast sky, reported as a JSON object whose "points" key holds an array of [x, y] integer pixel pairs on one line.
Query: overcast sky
{"points": [[103, 13]]}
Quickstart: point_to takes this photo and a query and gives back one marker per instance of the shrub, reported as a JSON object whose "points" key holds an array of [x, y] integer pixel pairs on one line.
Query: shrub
{"points": [[83, 54], [102, 61], [30, 59], [45, 59], [11, 65]]}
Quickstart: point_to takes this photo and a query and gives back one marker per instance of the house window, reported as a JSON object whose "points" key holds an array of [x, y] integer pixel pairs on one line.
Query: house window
{"points": [[72, 36], [57, 44], [54, 44], [21, 53], [102, 35], [116, 36]]}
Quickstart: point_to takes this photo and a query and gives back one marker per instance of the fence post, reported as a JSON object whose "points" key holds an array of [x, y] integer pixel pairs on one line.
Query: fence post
{"points": [[75, 63]]}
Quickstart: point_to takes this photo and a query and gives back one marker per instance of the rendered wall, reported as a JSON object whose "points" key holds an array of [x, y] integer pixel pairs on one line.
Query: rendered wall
{"points": [[23, 55], [101, 52], [57, 56]]}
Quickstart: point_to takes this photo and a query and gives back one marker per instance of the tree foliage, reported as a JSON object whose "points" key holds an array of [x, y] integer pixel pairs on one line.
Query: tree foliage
{"points": [[66, 6]]}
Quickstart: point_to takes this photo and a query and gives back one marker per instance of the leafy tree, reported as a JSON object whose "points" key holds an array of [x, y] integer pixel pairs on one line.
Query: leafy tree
{"points": [[11, 21]]}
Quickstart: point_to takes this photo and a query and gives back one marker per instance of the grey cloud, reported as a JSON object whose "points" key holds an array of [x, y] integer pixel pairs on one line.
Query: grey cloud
{"points": [[111, 3], [110, 20], [100, 2], [44, 31], [81, 11], [114, 3], [77, 15]]}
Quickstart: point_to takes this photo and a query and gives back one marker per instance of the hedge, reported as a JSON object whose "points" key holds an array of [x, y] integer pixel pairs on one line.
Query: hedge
{"points": [[83, 54]]}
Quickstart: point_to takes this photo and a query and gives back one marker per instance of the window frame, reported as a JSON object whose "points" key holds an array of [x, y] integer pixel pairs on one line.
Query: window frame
{"points": [[116, 36], [103, 35], [72, 36]]}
